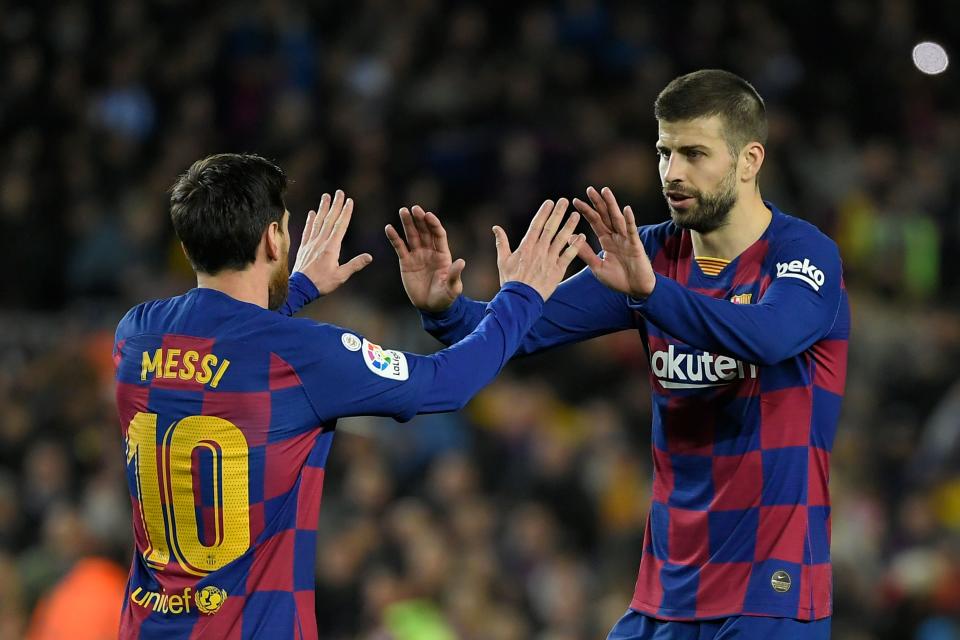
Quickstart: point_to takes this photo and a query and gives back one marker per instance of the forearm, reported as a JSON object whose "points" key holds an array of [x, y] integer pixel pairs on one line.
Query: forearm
{"points": [[580, 308], [460, 371], [301, 293], [787, 321]]}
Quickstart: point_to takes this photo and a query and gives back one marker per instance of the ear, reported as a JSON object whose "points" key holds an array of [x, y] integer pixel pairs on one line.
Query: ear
{"points": [[273, 241], [751, 159]]}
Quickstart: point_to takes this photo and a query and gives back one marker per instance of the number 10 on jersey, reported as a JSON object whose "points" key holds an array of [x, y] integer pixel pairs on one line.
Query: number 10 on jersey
{"points": [[165, 486]]}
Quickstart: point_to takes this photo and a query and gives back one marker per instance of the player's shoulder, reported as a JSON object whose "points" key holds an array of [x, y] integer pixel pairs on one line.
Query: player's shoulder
{"points": [[303, 338], [791, 230], [140, 318], [655, 236]]}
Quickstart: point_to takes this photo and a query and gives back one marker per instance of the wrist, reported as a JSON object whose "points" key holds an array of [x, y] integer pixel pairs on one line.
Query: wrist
{"points": [[440, 311], [645, 289]]}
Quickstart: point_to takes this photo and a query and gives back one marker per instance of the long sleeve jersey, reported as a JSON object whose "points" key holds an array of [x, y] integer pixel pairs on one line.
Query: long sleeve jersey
{"points": [[227, 413], [747, 371]]}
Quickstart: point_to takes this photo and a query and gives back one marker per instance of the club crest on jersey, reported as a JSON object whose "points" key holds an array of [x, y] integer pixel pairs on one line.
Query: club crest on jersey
{"points": [[741, 298], [804, 271], [679, 368], [386, 363]]}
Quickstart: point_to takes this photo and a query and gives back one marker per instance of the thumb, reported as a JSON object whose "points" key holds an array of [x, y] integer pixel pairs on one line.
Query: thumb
{"points": [[503, 244], [455, 270], [586, 253], [355, 264]]}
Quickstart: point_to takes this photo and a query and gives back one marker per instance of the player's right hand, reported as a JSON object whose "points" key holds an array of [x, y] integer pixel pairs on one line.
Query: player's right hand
{"points": [[543, 255], [319, 255], [430, 276]]}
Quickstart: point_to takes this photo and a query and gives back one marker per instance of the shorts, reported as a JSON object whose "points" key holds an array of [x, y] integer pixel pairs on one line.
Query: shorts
{"points": [[637, 626]]}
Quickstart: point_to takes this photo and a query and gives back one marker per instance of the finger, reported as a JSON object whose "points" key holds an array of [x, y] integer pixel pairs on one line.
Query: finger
{"points": [[332, 213], [600, 207], [554, 219], [419, 220], [613, 210], [455, 270], [573, 249], [631, 221], [597, 223], [563, 236], [539, 219], [589, 213], [308, 228], [586, 253], [324, 207], [336, 210], [409, 229], [503, 244], [353, 265], [396, 242], [343, 221], [438, 233]]}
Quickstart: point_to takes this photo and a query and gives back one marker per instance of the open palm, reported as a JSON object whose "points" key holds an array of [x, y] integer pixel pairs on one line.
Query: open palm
{"points": [[430, 276], [624, 266]]}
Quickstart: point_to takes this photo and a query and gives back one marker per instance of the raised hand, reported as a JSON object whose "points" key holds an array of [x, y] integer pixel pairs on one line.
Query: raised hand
{"points": [[319, 255], [429, 274], [625, 266], [544, 253]]}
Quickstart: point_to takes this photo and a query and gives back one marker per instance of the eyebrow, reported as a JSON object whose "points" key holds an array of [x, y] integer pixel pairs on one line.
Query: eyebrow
{"points": [[684, 149]]}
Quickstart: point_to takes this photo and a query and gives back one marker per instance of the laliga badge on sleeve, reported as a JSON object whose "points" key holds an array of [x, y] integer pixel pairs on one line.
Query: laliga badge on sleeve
{"points": [[350, 342], [386, 363]]}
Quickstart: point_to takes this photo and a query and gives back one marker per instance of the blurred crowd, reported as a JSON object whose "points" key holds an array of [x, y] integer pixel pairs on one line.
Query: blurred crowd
{"points": [[521, 517]]}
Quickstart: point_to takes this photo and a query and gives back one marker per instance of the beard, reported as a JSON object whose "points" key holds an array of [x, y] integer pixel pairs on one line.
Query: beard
{"points": [[279, 286], [711, 211]]}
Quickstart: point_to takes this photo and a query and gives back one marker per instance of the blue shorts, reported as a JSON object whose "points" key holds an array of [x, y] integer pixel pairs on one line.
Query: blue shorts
{"points": [[637, 626]]}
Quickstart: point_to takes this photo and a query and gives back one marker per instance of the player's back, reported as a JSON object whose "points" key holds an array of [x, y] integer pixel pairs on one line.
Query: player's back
{"points": [[225, 458]]}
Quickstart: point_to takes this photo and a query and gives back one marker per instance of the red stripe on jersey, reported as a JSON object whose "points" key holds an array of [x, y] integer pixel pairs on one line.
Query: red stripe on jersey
{"points": [[689, 537], [722, 587], [662, 476], [282, 375], [248, 410], [279, 475], [818, 478], [782, 533], [816, 593], [830, 360], [737, 481], [170, 345], [226, 623], [785, 417], [272, 568], [308, 502]]}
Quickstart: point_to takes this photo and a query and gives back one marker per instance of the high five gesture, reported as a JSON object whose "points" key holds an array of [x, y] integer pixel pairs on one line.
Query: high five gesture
{"points": [[624, 266]]}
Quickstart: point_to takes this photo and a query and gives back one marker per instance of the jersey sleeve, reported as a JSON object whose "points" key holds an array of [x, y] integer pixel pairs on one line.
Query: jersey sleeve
{"points": [[797, 309], [581, 308], [347, 375], [302, 292]]}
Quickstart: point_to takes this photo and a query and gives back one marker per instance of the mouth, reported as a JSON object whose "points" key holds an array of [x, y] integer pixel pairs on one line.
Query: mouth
{"points": [[679, 200]]}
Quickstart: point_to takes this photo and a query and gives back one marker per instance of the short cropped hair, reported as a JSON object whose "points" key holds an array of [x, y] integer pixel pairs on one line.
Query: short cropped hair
{"points": [[221, 206], [714, 92]]}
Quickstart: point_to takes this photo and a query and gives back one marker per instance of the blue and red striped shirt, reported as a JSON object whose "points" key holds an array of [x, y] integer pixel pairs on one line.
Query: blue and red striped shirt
{"points": [[747, 369], [228, 412]]}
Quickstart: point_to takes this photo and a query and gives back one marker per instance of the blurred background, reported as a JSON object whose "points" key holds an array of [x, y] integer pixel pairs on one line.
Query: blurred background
{"points": [[521, 517]]}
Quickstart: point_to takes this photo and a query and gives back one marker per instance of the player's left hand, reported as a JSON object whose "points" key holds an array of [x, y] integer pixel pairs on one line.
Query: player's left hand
{"points": [[624, 266], [319, 255]]}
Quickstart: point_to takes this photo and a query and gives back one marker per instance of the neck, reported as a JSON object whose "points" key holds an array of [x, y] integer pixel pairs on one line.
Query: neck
{"points": [[748, 220], [246, 286]]}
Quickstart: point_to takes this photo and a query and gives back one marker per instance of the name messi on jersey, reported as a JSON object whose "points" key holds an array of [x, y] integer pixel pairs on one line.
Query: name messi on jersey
{"points": [[696, 370], [185, 365]]}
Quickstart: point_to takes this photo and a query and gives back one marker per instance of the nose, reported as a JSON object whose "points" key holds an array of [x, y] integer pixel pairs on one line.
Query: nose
{"points": [[672, 169]]}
